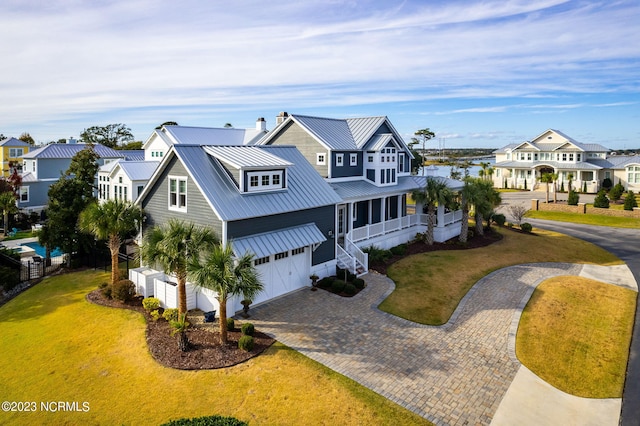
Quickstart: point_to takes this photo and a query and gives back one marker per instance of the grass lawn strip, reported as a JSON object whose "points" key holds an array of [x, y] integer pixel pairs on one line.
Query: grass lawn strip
{"points": [[429, 286], [586, 219], [56, 346], [575, 332]]}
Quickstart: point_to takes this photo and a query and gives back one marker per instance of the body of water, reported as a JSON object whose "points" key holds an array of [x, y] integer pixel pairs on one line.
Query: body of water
{"points": [[445, 171]]}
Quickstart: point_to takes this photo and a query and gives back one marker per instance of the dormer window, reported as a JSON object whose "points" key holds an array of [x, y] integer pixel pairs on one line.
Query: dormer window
{"points": [[321, 159], [265, 180], [353, 159]]}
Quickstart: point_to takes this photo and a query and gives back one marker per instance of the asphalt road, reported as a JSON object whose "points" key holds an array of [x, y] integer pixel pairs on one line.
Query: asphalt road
{"points": [[624, 243]]}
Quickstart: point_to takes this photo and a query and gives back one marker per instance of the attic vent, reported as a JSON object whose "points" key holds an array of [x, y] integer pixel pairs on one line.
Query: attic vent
{"points": [[549, 137]]}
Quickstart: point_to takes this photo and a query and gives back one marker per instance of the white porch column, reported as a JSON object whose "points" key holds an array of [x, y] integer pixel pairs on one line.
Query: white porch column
{"points": [[440, 215], [383, 209], [369, 213]]}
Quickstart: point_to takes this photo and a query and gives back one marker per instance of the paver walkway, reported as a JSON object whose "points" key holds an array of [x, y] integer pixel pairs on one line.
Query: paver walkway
{"points": [[455, 374]]}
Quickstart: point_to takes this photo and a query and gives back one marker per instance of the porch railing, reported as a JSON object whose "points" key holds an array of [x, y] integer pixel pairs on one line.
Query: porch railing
{"points": [[381, 228]]}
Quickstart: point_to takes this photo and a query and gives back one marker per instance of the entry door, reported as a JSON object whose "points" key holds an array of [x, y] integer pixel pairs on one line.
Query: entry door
{"points": [[342, 220]]}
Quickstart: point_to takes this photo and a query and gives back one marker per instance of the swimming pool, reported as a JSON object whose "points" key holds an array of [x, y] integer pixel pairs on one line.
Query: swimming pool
{"points": [[41, 251]]}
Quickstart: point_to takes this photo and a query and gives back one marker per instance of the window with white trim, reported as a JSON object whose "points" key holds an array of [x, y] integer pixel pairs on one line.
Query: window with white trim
{"points": [[401, 163], [321, 159], [633, 174], [177, 193], [339, 159], [353, 159], [24, 194], [299, 250], [261, 261], [16, 152], [265, 180], [370, 158]]}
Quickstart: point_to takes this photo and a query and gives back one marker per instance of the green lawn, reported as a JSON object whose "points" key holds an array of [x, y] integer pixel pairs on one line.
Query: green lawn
{"points": [[575, 334], [56, 346], [429, 286], [586, 219], [21, 234]]}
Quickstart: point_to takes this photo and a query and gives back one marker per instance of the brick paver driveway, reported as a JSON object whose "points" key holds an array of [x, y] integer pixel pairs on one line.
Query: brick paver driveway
{"points": [[454, 374]]}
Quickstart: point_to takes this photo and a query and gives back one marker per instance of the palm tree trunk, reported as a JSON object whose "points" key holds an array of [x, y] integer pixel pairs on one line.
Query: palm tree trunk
{"points": [[547, 183], [430, 223], [479, 224], [183, 342], [464, 228], [114, 247], [5, 217], [182, 294], [223, 320]]}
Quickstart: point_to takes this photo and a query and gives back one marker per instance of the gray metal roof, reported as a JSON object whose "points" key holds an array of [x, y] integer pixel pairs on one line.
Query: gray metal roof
{"points": [[139, 170], [268, 243], [362, 189], [305, 187], [212, 135], [13, 142], [363, 128], [617, 162], [380, 141], [552, 146], [132, 154], [333, 132], [246, 156], [63, 150]]}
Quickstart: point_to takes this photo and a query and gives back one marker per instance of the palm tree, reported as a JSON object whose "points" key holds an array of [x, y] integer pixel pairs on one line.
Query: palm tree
{"points": [[111, 221], [219, 270], [8, 206], [170, 245], [468, 197], [487, 198], [547, 178], [554, 177], [570, 179], [436, 193]]}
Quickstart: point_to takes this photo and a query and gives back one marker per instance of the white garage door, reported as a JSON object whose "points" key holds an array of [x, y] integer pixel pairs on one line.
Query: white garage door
{"points": [[285, 274]]}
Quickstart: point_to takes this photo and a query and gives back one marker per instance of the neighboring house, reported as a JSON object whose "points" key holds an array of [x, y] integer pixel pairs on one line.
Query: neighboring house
{"points": [[11, 152], [158, 144], [368, 165], [520, 165], [124, 180], [44, 166], [265, 200]]}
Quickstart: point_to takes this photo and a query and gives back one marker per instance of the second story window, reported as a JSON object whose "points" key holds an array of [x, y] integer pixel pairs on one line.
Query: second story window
{"points": [[353, 159], [321, 159], [16, 152], [178, 193], [339, 159], [265, 180]]}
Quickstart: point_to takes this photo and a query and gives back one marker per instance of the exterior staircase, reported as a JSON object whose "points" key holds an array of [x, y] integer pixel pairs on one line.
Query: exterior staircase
{"points": [[350, 257]]}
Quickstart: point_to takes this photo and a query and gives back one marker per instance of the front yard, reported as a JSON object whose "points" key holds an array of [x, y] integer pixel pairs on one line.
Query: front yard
{"points": [[56, 346]]}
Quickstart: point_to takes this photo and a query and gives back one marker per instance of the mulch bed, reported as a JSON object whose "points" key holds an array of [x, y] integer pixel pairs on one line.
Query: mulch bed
{"points": [[205, 351], [416, 247]]}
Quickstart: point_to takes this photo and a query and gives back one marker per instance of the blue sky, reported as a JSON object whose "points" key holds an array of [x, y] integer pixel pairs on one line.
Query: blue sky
{"points": [[477, 73]]}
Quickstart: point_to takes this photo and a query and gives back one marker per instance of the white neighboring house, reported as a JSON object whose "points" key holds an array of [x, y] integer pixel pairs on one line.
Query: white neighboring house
{"points": [[124, 180]]}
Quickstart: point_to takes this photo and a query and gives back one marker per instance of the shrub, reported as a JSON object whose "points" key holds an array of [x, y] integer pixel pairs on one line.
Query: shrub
{"points": [[207, 421], [573, 198], [105, 289], [616, 192], [326, 282], [526, 227], [607, 184], [10, 277], [601, 200], [155, 314], [170, 314], [231, 324], [123, 290], [509, 225], [247, 329], [245, 343], [150, 303], [584, 187], [399, 250], [351, 277], [337, 286], [630, 201], [377, 254], [499, 219], [561, 186], [359, 283], [350, 289]]}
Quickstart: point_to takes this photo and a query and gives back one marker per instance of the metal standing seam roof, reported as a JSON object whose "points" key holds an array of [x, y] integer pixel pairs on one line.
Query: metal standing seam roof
{"points": [[61, 150], [246, 156], [380, 141], [13, 142], [617, 162], [363, 128], [138, 170], [213, 135], [268, 243], [333, 132], [306, 189], [360, 189]]}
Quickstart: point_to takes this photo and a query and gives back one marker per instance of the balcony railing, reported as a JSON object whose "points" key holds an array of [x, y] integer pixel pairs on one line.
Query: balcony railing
{"points": [[382, 228]]}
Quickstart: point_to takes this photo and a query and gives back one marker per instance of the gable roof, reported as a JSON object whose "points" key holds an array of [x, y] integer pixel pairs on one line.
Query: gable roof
{"points": [[351, 134], [545, 142], [246, 156], [138, 170], [63, 150], [13, 142], [172, 135], [306, 189]]}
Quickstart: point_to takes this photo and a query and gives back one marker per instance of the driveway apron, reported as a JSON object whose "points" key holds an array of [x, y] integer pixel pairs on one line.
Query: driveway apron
{"points": [[454, 374]]}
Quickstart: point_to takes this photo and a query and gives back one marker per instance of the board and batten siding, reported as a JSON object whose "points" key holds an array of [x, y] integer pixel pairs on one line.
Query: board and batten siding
{"points": [[294, 135], [323, 217], [156, 202]]}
